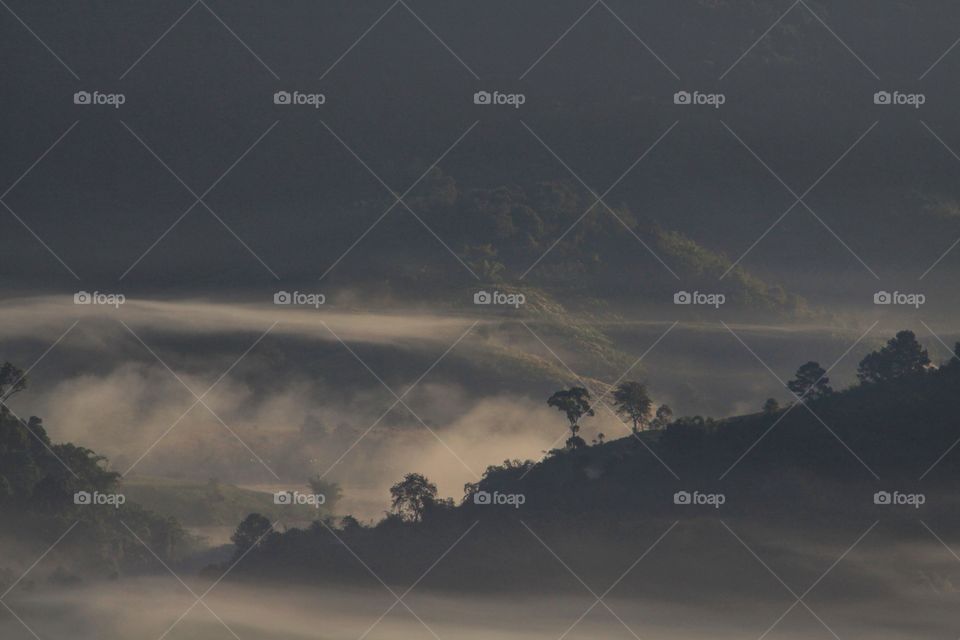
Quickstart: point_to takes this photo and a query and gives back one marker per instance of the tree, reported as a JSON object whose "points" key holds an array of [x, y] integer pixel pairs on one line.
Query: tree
{"points": [[632, 401], [771, 406], [412, 496], [329, 490], [810, 381], [251, 532], [902, 356], [349, 524], [12, 380], [574, 403], [663, 417]]}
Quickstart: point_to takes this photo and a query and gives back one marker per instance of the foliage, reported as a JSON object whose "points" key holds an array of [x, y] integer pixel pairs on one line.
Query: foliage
{"points": [[412, 497], [810, 382], [632, 401]]}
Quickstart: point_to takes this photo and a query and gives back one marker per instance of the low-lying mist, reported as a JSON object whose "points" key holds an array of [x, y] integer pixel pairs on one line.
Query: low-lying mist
{"points": [[298, 402]]}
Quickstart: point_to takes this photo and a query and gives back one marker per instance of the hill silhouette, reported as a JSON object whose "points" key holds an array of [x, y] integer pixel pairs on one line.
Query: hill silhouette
{"points": [[879, 450]]}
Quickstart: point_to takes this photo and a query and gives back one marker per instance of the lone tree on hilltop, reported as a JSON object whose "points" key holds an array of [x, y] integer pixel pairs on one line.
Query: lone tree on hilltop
{"points": [[632, 401], [574, 403], [810, 381]]}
